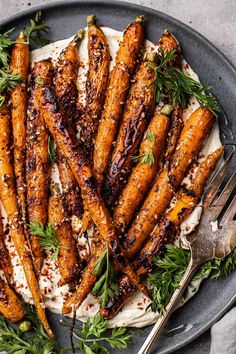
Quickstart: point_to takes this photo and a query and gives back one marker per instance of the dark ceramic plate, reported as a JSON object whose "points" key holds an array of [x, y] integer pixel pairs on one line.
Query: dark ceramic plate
{"points": [[214, 297]]}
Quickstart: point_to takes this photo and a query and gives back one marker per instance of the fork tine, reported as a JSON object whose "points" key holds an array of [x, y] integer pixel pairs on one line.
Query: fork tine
{"points": [[230, 212], [225, 194], [215, 183]]}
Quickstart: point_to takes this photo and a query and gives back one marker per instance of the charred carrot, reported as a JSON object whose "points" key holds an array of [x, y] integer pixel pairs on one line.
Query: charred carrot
{"points": [[119, 83], [37, 161], [66, 92], [10, 306], [96, 84], [143, 173], [68, 256], [19, 65], [66, 77], [5, 262], [138, 110]]}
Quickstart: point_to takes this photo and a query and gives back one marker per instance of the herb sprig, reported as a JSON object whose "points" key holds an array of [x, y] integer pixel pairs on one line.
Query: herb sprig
{"points": [[106, 286], [13, 340], [5, 44], [176, 87], [38, 28], [48, 237], [93, 337], [165, 279], [148, 157]]}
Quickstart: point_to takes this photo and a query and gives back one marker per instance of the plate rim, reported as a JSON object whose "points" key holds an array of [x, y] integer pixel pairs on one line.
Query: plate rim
{"points": [[216, 51]]}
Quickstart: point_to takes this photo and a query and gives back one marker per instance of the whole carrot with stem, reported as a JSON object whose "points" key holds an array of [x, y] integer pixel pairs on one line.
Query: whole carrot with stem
{"points": [[19, 65]]}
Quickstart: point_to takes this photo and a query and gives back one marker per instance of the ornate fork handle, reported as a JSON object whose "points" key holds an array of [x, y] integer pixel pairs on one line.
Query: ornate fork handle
{"points": [[157, 329]]}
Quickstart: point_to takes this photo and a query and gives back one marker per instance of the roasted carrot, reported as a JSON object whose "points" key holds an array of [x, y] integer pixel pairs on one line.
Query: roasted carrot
{"points": [[143, 173], [189, 144], [37, 161], [70, 189], [174, 133], [69, 146], [96, 84], [10, 305], [67, 256], [138, 110], [5, 261], [120, 78], [19, 65], [66, 92], [8, 197], [165, 232], [169, 42], [85, 287], [66, 77]]}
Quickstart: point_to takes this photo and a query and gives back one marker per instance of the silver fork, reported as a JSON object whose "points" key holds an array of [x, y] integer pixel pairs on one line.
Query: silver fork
{"points": [[205, 244]]}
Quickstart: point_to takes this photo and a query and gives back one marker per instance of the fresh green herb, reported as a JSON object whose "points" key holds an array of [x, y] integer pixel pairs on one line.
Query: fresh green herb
{"points": [[7, 82], [14, 340], [48, 236], [165, 279], [176, 87], [5, 44], [51, 151], [149, 156], [92, 337], [228, 265], [106, 286], [38, 28]]}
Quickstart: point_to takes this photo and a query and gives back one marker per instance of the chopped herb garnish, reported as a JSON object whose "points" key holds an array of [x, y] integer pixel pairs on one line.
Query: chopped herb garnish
{"points": [[149, 156], [173, 86], [106, 286], [94, 335], [51, 151], [48, 237]]}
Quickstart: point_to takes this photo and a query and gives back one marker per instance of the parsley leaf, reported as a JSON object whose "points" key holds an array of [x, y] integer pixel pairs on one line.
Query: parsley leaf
{"points": [[48, 236], [93, 336], [13, 340], [106, 286]]}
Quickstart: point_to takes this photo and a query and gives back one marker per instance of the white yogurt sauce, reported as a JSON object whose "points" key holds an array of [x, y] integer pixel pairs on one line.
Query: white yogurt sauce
{"points": [[134, 313]]}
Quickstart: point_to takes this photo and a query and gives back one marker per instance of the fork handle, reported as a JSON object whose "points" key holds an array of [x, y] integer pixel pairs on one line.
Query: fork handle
{"points": [[157, 329]]}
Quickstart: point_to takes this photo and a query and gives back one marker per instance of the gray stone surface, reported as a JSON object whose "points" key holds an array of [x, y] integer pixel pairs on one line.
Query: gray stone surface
{"points": [[215, 19]]}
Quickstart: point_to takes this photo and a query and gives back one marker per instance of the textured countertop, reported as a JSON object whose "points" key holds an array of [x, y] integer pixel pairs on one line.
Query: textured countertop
{"points": [[214, 19]]}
